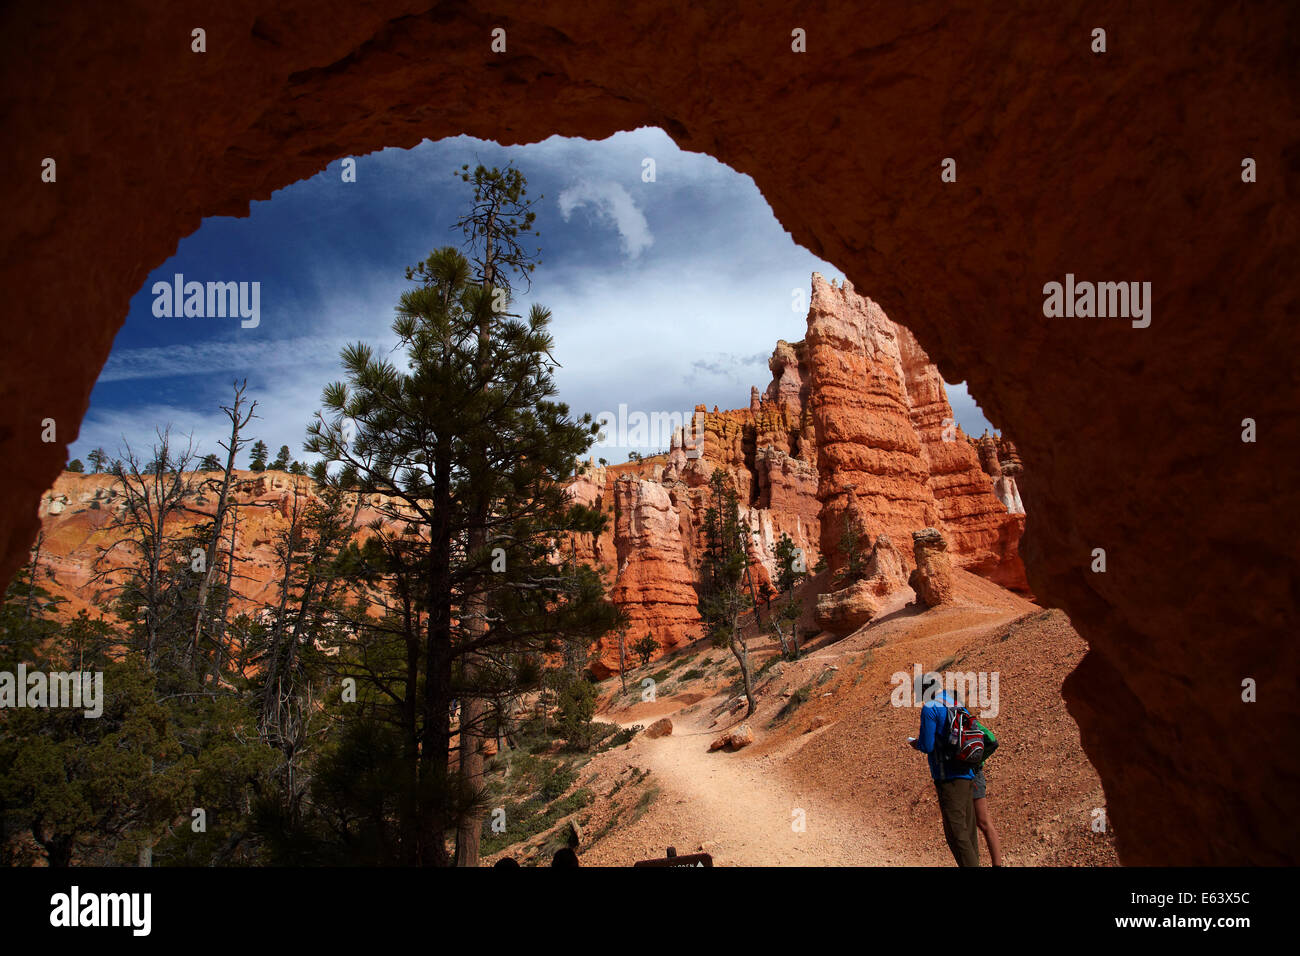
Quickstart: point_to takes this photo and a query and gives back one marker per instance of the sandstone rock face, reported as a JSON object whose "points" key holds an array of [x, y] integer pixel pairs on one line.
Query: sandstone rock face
{"points": [[867, 447], [294, 85], [77, 519], [888, 445], [660, 728], [886, 570], [847, 609], [654, 584], [931, 579]]}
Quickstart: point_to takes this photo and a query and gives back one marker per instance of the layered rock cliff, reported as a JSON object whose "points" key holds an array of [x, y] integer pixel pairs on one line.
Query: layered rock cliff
{"points": [[855, 421]]}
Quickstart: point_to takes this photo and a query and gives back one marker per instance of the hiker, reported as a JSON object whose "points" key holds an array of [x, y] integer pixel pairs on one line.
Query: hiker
{"points": [[952, 782], [982, 818]]}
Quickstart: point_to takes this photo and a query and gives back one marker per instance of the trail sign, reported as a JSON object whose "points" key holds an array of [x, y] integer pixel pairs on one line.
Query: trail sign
{"points": [[672, 859]]}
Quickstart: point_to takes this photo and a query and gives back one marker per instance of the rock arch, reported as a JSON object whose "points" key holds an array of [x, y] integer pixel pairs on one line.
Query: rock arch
{"points": [[1120, 166]]}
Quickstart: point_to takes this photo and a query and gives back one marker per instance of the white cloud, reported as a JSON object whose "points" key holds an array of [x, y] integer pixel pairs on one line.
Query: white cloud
{"points": [[217, 356], [613, 204]]}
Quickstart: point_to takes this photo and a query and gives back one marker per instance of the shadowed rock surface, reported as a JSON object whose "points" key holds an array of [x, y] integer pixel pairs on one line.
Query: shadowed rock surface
{"points": [[1124, 166]]}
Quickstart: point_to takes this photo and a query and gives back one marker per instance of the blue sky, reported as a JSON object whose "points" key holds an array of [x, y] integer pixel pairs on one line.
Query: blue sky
{"points": [[664, 294]]}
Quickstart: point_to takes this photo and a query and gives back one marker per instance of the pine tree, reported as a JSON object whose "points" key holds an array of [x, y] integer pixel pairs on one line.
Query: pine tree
{"points": [[75, 466], [645, 648], [855, 546], [500, 214], [98, 459], [723, 594], [258, 456], [471, 451], [281, 462], [209, 463], [790, 571]]}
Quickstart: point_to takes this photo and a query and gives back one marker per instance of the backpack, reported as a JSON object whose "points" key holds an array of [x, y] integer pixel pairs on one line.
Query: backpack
{"points": [[965, 740], [990, 741]]}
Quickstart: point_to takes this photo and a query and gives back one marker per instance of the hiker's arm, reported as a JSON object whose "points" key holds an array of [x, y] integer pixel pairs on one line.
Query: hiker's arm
{"points": [[925, 739]]}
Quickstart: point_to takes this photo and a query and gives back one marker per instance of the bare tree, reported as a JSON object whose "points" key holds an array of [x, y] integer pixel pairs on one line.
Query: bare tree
{"points": [[239, 417], [319, 527], [155, 494]]}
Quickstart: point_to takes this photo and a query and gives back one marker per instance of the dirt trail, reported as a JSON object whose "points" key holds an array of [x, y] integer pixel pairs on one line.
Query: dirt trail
{"points": [[743, 811], [841, 759]]}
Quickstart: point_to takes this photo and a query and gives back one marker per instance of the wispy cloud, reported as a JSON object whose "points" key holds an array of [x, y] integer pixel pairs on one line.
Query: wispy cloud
{"points": [[201, 358], [613, 204], [729, 366]]}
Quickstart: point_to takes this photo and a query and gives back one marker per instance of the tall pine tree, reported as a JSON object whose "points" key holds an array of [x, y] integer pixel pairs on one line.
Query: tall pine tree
{"points": [[723, 592], [470, 452]]}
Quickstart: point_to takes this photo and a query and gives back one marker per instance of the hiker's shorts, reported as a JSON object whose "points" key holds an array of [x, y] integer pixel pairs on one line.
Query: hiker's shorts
{"points": [[980, 785]]}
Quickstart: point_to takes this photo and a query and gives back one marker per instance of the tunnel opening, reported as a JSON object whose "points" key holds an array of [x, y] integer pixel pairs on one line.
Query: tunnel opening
{"points": [[1174, 628], [273, 302]]}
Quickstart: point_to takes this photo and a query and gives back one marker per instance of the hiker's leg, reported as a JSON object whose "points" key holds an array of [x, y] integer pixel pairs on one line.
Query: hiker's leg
{"points": [[965, 845], [959, 821], [945, 814], [985, 822]]}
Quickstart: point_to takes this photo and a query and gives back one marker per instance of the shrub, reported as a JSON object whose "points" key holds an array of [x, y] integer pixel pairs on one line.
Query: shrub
{"points": [[645, 649], [577, 710], [623, 736], [797, 700]]}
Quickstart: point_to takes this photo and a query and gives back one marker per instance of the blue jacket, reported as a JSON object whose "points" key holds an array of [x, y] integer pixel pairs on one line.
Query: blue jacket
{"points": [[933, 716]]}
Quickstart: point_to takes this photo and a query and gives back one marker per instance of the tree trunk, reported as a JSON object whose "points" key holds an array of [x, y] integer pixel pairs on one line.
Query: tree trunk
{"points": [[33, 570], [774, 620], [218, 519], [470, 830], [741, 652], [622, 666]]}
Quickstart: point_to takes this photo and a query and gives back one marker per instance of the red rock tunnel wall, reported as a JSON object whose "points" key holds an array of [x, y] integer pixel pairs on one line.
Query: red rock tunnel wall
{"points": [[1121, 166]]}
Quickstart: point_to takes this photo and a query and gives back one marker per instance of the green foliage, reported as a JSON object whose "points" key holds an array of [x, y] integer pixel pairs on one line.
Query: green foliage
{"points": [[789, 563], [722, 594], [75, 466], [94, 789], [257, 456], [796, 700], [645, 648], [239, 711], [577, 710], [854, 547], [524, 822], [464, 439], [622, 735]]}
